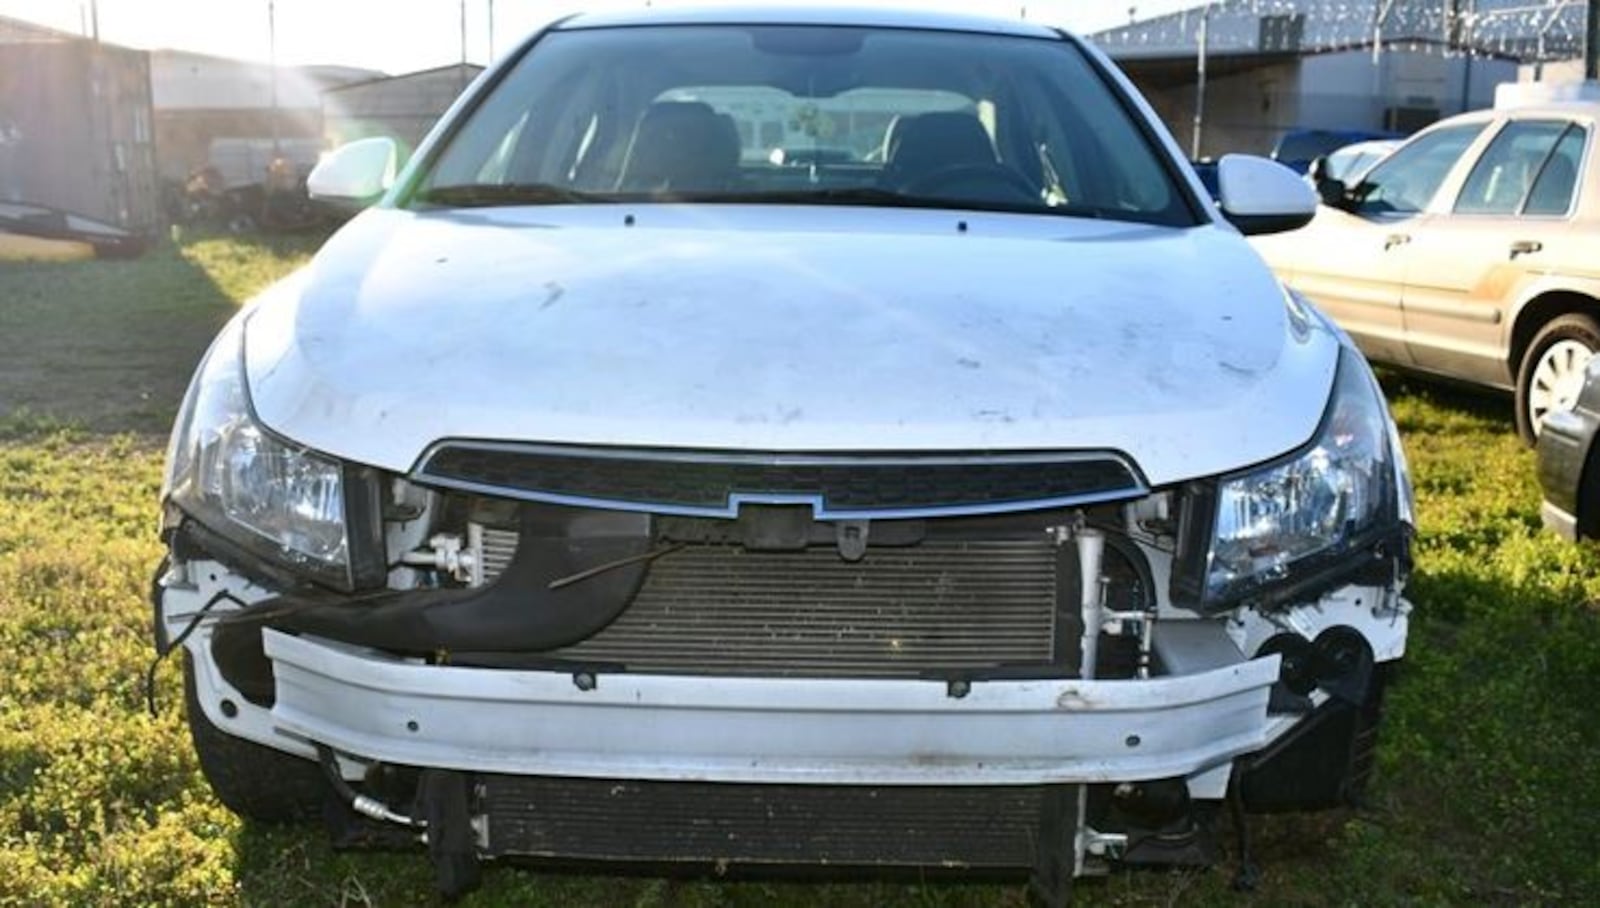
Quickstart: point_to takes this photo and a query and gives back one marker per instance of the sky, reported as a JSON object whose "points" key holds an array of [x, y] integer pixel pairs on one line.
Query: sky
{"points": [[402, 35]]}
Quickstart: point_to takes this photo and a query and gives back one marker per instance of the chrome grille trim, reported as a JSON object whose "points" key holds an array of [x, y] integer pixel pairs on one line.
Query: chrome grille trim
{"points": [[835, 486]]}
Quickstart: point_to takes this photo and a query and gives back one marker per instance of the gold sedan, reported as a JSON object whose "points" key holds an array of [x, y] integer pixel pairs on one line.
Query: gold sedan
{"points": [[1471, 252]]}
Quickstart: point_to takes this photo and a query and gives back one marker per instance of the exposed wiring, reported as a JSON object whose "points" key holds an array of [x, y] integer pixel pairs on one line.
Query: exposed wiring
{"points": [[369, 807], [599, 569], [163, 652], [1247, 877]]}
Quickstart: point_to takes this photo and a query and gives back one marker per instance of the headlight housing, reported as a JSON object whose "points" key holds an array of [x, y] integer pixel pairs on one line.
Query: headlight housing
{"points": [[272, 498], [1335, 507]]}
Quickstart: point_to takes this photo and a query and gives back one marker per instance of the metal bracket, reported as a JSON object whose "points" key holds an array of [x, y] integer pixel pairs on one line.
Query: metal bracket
{"points": [[851, 536], [1058, 856], [1107, 846], [443, 798]]}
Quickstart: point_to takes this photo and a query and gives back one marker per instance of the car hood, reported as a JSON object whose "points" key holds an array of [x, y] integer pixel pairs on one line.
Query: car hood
{"points": [[788, 330]]}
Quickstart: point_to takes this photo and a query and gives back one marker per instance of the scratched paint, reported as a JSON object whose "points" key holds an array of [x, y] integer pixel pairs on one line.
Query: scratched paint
{"points": [[795, 329]]}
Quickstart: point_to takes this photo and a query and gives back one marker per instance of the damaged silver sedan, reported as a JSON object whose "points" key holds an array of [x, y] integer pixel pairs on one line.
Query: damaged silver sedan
{"points": [[756, 439]]}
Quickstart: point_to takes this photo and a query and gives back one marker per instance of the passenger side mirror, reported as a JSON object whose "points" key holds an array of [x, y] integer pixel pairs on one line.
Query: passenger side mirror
{"points": [[356, 174], [1333, 192], [1317, 170], [1259, 196]]}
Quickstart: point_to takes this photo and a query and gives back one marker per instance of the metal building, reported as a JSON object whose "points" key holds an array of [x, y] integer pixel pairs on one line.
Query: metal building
{"points": [[402, 107], [234, 115], [75, 126], [1273, 65]]}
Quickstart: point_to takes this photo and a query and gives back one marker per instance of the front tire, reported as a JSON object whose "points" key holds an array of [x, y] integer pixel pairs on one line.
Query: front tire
{"points": [[1551, 373], [252, 780]]}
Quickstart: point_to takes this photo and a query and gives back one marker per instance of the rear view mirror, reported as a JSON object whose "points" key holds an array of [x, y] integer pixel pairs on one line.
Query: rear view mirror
{"points": [[357, 174], [1259, 196]]}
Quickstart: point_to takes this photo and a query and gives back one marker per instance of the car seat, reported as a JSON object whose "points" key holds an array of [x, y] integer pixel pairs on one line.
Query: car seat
{"points": [[928, 143], [680, 146]]}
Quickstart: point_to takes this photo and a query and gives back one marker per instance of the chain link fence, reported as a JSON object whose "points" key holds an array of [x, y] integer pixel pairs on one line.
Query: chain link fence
{"points": [[1511, 29]]}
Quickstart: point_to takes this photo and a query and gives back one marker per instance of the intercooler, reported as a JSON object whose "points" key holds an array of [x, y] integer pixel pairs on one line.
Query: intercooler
{"points": [[956, 607], [974, 827]]}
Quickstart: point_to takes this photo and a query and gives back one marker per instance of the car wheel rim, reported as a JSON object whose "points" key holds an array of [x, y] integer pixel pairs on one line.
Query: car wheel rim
{"points": [[1557, 379]]}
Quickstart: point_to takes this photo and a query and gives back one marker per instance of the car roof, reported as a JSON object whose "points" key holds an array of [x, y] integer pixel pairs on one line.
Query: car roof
{"points": [[1368, 146], [862, 16], [1580, 110], [1577, 109]]}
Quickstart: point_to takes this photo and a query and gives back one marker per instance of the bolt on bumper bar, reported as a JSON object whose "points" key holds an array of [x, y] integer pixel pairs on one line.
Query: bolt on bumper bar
{"points": [[756, 730]]}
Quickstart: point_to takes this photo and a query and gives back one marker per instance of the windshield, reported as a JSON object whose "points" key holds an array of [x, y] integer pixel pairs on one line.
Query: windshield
{"points": [[808, 115]]}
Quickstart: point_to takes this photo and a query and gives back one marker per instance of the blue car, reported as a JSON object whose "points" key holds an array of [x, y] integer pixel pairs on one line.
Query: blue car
{"points": [[1297, 148]]}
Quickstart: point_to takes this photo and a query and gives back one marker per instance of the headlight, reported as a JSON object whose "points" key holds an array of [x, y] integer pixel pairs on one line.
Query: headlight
{"points": [[244, 484], [1333, 506]]}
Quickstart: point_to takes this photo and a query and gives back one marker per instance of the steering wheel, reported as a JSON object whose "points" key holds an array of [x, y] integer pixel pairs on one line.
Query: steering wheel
{"points": [[946, 182]]}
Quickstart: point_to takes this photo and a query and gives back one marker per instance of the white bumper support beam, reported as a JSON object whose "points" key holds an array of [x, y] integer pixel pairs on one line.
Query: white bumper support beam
{"points": [[766, 730]]}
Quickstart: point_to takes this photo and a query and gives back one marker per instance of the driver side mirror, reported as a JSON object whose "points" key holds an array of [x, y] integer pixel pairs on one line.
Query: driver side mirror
{"points": [[1259, 196], [356, 174]]}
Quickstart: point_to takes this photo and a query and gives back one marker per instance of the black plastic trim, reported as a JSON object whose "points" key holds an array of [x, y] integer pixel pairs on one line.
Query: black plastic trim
{"points": [[1325, 761], [519, 612], [195, 541], [363, 526], [1197, 524], [1264, 224]]}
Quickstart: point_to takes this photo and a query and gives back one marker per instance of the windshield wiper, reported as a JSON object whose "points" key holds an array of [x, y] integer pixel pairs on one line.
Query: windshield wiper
{"points": [[485, 195], [888, 198], [873, 196], [835, 195]]}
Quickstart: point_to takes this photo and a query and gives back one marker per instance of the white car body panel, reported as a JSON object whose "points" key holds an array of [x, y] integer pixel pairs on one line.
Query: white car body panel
{"points": [[1250, 186], [559, 325]]}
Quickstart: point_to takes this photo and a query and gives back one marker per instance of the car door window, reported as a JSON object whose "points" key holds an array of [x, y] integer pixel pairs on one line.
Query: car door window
{"points": [[1502, 178], [1406, 181], [1553, 190]]}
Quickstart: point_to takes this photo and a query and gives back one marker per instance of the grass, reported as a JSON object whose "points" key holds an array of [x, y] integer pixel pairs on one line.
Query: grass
{"points": [[1489, 781], [110, 345]]}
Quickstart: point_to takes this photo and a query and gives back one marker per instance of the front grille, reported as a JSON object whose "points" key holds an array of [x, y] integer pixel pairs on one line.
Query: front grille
{"points": [[940, 607], [598, 819], [713, 483]]}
